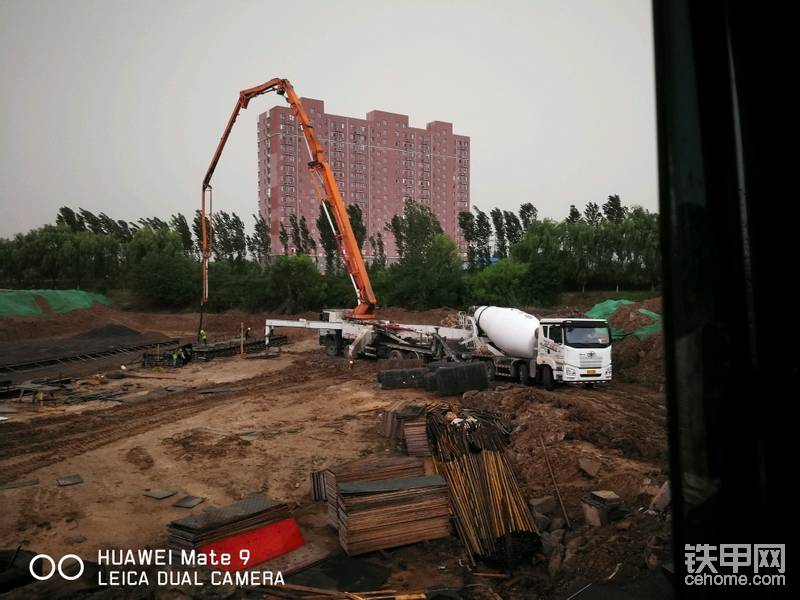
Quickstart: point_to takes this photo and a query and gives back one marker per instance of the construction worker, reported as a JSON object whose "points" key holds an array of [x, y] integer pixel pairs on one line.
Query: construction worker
{"points": [[175, 357], [247, 334], [203, 337]]}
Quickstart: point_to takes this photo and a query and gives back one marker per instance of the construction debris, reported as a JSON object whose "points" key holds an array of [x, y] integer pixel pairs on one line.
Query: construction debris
{"points": [[416, 435], [299, 592], [662, 499], [555, 483], [395, 416], [188, 502], [69, 480], [392, 512], [18, 484], [601, 507], [159, 494], [589, 466]]}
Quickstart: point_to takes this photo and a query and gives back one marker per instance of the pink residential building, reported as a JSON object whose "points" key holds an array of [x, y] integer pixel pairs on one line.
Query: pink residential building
{"points": [[378, 162]]}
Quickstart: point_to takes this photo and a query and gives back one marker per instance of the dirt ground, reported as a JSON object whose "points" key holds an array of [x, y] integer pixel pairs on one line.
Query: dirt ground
{"points": [[273, 421]]}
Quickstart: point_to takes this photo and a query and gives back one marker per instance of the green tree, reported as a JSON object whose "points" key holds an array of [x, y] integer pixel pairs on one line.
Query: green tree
{"points": [[574, 215], [500, 242], [153, 223], [356, 216], [162, 275], [327, 238], [503, 283], [68, 218], [181, 227], [513, 227], [283, 237], [466, 223], [544, 281], [593, 214], [296, 236], [308, 243], [238, 238], [430, 279], [295, 284], [614, 211], [91, 222], [528, 213], [378, 251], [260, 243], [483, 238], [414, 230]]}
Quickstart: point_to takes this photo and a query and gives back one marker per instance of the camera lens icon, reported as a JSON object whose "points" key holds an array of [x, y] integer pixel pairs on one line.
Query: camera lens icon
{"points": [[46, 558]]}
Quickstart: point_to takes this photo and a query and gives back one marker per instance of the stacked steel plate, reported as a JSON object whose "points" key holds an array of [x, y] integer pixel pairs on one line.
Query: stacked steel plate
{"points": [[392, 512], [324, 483]]}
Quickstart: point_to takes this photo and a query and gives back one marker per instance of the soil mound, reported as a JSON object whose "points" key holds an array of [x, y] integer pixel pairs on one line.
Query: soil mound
{"points": [[107, 331]]}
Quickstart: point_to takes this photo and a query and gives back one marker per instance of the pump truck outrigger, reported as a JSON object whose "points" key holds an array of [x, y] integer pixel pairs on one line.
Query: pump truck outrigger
{"points": [[508, 341]]}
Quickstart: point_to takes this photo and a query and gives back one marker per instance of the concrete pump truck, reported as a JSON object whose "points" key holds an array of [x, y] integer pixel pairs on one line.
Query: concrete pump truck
{"points": [[509, 342]]}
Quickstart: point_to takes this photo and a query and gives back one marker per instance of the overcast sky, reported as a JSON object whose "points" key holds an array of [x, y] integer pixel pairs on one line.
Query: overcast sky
{"points": [[117, 106]]}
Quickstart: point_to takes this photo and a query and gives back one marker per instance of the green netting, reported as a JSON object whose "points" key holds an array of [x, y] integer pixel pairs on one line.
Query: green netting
{"points": [[605, 309], [22, 303], [62, 301], [18, 303], [653, 315], [648, 330]]}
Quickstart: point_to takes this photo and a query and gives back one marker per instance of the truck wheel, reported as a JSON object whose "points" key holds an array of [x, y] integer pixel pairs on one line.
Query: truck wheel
{"points": [[522, 374], [411, 354], [547, 379], [395, 354], [332, 348]]}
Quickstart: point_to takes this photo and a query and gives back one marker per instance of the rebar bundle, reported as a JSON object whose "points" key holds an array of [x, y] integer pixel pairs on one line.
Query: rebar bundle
{"points": [[487, 503]]}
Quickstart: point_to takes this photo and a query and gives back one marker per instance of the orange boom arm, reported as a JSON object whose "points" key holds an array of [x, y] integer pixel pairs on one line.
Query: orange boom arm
{"points": [[319, 167]]}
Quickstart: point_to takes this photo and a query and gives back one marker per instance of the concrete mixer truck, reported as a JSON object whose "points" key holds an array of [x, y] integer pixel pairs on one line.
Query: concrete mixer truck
{"points": [[516, 344], [510, 342]]}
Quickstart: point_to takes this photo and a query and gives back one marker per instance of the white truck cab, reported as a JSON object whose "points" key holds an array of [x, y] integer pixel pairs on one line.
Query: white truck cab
{"points": [[573, 351]]}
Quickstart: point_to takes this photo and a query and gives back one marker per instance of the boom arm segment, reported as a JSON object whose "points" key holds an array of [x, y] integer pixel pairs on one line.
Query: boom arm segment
{"points": [[348, 246]]}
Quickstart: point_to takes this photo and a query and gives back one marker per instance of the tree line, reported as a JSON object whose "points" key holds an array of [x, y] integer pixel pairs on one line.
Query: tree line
{"points": [[511, 258]]}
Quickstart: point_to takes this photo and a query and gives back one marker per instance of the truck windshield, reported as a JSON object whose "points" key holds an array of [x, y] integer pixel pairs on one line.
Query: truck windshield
{"points": [[588, 337]]}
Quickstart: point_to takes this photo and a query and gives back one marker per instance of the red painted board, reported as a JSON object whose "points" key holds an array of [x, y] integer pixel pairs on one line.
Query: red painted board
{"points": [[264, 543]]}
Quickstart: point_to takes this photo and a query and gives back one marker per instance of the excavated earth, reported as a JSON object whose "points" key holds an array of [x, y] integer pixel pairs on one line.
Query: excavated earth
{"points": [[268, 423]]}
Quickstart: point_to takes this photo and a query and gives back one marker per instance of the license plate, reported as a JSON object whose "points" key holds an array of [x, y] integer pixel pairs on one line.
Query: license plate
{"points": [[591, 371]]}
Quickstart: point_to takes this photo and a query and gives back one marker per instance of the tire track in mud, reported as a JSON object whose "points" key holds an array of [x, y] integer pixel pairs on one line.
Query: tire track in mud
{"points": [[31, 445]]}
